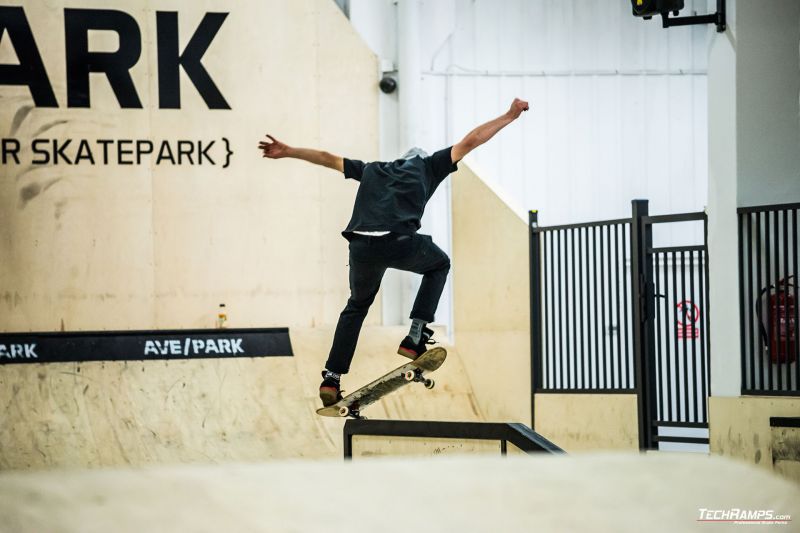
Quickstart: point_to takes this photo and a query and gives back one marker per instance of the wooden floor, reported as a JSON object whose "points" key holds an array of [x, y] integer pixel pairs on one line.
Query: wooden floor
{"points": [[614, 493]]}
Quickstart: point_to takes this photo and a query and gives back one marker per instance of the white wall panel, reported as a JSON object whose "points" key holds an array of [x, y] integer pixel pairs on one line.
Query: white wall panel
{"points": [[607, 137], [618, 104]]}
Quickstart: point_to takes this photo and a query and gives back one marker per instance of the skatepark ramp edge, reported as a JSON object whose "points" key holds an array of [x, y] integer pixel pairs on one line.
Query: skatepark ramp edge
{"points": [[519, 435]]}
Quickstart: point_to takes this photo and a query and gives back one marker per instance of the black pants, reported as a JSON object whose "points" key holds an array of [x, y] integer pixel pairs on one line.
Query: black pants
{"points": [[369, 259]]}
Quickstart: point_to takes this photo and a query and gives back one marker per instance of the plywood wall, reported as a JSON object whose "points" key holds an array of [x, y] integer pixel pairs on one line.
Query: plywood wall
{"points": [[128, 246], [492, 306], [582, 422], [739, 427], [117, 413]]}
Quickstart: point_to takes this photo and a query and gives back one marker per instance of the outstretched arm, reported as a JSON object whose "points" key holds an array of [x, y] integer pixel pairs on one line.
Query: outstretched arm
{"points": [[484, 132], [275, 149]]}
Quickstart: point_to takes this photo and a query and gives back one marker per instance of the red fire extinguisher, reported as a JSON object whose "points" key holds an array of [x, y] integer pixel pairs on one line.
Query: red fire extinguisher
{"points": [[780, 335]]}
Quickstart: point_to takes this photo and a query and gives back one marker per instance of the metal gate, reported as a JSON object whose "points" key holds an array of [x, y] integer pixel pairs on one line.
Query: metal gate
{"points": [[673, 340], [584, 279]]}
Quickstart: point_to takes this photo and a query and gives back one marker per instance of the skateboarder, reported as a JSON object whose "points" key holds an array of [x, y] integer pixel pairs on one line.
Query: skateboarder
{"points": [[383, 234]]}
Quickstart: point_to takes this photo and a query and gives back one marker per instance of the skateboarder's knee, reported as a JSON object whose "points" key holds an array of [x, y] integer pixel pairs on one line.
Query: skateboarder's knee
{"points": [[442, 268], [359, 304]]}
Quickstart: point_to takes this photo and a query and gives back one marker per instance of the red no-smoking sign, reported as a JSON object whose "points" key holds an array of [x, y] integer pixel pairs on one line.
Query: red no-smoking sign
{"points": [[688, 315]]}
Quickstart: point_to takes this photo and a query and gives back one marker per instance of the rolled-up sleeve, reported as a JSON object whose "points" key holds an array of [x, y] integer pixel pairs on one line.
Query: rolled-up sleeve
{"points": [[353, 169], [442, 163]]}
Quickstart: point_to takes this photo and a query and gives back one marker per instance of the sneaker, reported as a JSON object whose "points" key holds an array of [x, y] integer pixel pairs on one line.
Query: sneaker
{"points": [[412, 350], [329, 390]]}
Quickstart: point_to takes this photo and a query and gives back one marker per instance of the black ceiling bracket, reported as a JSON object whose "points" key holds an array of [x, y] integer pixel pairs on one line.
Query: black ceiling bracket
{"points": [[717, 18]]}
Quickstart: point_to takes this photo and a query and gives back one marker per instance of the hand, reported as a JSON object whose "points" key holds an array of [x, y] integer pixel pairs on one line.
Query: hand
{"points": [[274, 149], [517, 107]]}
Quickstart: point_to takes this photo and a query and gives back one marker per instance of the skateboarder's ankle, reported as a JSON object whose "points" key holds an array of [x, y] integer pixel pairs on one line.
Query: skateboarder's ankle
{"points": [[327, 374], [417, 328]]}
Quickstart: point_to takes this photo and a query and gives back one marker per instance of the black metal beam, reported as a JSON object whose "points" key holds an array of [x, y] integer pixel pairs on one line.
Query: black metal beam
{"points": [[582, 225], [535, 268], [772, 207], [668, 249], [694, 425], [584, 391], [639, 290], [684, 440], [677, 217], [768, 392], [519, 435], [717, 19]]}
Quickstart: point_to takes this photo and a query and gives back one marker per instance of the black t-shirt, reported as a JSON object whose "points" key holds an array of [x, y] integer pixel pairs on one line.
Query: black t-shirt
{"points": [[393, 194]]}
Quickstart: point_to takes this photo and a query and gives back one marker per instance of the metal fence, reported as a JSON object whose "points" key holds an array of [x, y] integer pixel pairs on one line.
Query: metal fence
{"points": [[612, 313], [585, 307], [678, 325], [768, 296]]}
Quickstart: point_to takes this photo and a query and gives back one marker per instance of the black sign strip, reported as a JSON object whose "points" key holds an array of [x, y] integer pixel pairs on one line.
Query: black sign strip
{"points": [[83, 346]]}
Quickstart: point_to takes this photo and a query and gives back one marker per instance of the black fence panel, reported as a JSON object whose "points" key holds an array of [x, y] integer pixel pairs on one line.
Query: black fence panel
{"points": [[768, 297], [583, 320]]}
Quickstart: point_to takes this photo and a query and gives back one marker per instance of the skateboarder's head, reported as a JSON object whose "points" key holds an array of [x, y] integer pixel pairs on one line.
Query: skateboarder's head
{"points": [[414, 152]]}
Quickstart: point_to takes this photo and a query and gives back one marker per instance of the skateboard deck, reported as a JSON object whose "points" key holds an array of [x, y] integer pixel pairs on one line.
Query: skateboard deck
{"points": [[413, 371]]}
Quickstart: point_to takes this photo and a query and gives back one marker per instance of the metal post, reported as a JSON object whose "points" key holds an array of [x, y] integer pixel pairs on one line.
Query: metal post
{"points": [[535, 266], [641, 284], [706, 359], [347, 446]]}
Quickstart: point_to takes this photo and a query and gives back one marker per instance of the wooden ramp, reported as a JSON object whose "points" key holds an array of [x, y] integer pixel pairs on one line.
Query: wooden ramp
{"points": [[210, 410]]}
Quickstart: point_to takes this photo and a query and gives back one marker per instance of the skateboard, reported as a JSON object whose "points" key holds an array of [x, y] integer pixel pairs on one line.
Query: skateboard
{"points": [[413, 371]]}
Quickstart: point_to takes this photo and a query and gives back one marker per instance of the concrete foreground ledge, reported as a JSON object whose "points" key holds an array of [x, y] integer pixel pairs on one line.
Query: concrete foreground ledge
{"points": [[600, 492]]}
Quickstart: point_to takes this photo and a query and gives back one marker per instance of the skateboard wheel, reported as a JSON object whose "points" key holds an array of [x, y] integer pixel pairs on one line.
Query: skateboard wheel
{"points": [[429, 383], [344, 411], [409, 375]]}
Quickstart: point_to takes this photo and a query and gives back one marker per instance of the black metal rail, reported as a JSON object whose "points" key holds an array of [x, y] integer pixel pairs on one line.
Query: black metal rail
{"points": [[519, 435]]}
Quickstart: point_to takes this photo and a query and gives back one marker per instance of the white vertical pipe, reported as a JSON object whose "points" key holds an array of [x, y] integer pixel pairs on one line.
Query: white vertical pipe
{"points": [[410, 71], [399, 287]]}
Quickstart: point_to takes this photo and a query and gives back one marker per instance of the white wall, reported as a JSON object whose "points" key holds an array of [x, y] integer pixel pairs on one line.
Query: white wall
{"points": [[618, 104], [768, 88], [754, 150]]}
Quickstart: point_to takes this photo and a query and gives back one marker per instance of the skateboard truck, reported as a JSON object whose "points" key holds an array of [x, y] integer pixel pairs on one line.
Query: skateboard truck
{"points": [[419, 377], [353, 412]]}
